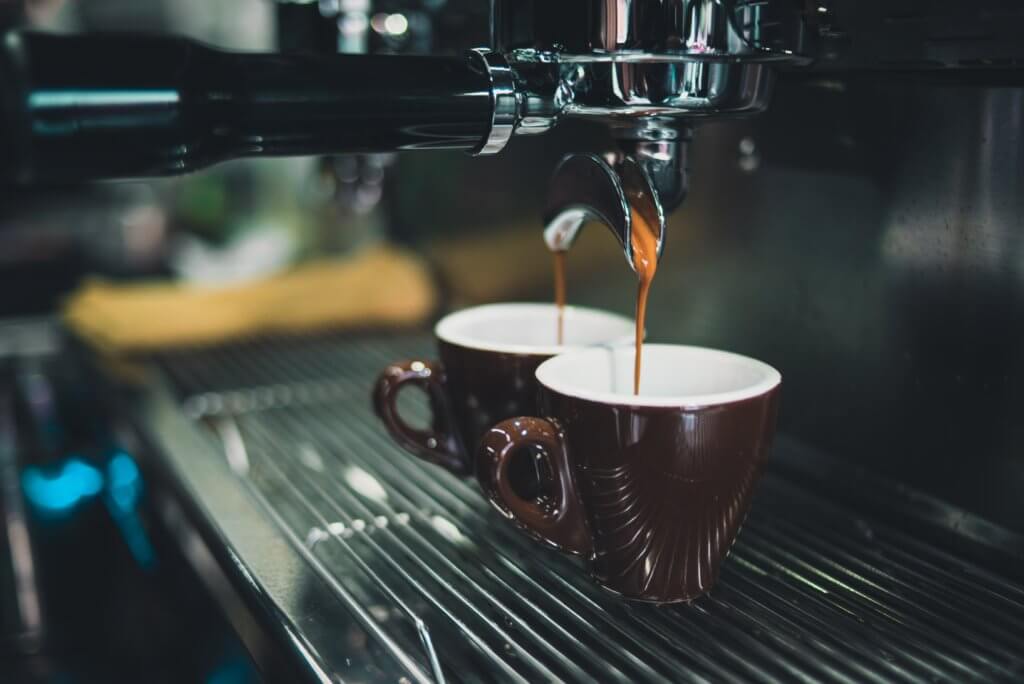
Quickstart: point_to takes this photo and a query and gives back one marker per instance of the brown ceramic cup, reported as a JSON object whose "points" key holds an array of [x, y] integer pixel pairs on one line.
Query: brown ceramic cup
{"points": [[486, 372], [650, 489]]}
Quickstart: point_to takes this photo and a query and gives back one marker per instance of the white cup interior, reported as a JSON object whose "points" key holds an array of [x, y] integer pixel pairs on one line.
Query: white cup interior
{"points": [[671, 375], [526, 328]]}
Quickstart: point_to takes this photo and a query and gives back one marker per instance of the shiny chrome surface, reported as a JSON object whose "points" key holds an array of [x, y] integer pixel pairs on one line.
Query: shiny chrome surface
{"points": [[320, 623], [505, 107], [664, 162], [615, 91], [357, 549], [652, 30], [645, 59], [648, 69], [585, 188]]}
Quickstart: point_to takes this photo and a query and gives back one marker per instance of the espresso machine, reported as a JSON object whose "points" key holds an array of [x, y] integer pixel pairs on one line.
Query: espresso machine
{"points": [[649, 71], [854, 219]]}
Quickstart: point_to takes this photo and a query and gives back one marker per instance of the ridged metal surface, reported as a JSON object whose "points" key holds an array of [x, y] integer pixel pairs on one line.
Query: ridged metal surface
{"points": [[812, 590]]}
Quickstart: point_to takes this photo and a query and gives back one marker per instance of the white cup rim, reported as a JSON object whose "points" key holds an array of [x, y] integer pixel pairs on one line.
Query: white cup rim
{"points": [[763, 377], [452, 328]]}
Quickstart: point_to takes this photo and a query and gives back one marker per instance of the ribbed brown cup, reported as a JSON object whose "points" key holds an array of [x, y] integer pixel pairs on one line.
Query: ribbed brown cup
{"points": [[653, 496]]}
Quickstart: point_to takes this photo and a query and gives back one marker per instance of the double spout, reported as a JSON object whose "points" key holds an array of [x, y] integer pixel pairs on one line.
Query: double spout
{"points": [[644, 180]]}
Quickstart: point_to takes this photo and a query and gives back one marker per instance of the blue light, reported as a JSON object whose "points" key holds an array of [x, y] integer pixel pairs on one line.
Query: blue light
{"points": [[124, 489], [57, 491], [233, 670], [124, 481], [55, 99], [61, 491]]}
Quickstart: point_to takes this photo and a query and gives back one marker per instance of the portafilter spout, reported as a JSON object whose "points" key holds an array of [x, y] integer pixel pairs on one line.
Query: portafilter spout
{"points": [[650, 179]]}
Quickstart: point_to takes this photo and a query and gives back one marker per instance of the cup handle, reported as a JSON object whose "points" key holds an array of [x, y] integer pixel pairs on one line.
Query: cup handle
{"points": [[561, 522], [438, 445]]}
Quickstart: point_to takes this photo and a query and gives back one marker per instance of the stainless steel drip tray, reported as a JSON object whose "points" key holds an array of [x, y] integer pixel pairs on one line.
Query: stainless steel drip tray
{"points": [[373, 566]]}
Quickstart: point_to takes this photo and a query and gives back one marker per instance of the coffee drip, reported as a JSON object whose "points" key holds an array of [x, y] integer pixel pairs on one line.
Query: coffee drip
{"points": [[644, 244], [560, 292]]}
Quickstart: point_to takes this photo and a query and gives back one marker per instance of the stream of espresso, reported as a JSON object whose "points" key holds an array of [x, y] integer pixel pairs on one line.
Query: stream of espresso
{"points": [[560, 291], [644, 241]]}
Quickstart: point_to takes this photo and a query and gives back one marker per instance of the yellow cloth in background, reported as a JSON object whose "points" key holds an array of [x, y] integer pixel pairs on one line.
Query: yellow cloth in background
{"points": [[378, 287]]}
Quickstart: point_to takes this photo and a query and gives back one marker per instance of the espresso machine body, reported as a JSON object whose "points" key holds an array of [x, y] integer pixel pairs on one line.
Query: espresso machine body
{"points": [[839, 189]]}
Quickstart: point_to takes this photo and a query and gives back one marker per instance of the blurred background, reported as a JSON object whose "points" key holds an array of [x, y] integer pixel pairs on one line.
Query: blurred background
{"points": [[864, 236]]}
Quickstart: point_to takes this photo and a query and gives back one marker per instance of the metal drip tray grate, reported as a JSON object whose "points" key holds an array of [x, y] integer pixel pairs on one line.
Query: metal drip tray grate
{"points": [[811, 591]]}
